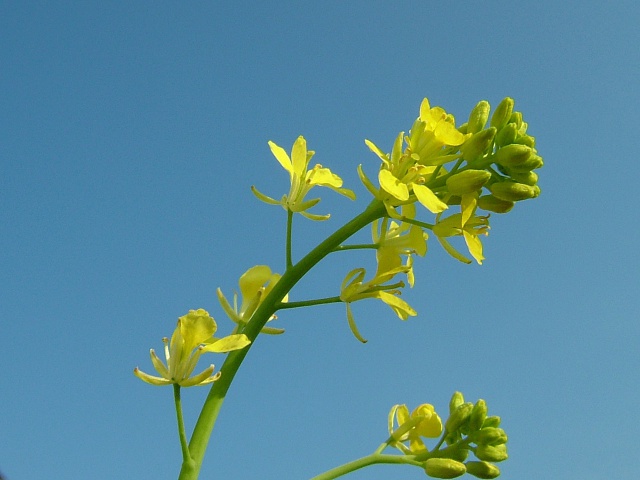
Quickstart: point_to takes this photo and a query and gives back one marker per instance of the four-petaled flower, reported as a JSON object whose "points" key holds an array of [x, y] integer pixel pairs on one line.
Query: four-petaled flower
{"points": [[255, 284], [355, 288], [423, 422], [192, 337], [467, 224], [394, 240], [303, 180]]}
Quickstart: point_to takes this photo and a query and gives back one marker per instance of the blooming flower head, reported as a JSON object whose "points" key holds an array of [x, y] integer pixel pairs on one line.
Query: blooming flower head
{"points": [[192, 337], [303, 180], [404, 174], [255, 284], [423, 422]]}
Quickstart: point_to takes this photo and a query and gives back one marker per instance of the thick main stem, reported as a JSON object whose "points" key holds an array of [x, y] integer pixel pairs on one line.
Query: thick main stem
{"points": [[292, 275]]}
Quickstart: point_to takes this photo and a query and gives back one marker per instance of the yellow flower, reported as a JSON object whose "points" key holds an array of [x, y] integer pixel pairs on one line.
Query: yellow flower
{"points": [[404, 175], [354, 288], [255, 284], [303, 180], [467, 224], [394, 240], [192, 337], [423, 422]]}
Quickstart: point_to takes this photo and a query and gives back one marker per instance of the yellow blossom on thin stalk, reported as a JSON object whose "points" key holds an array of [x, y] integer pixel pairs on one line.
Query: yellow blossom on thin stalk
{"points": [[394, 240], [467, 224], [303, 180], [192, 337], [255, 284], [354, 288], [423, 422]]}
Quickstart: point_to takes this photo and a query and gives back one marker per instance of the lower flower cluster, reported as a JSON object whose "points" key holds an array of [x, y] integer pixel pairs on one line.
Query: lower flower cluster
{"points": [[467, 430]]}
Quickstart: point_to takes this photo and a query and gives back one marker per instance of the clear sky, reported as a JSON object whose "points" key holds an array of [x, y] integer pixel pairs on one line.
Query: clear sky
{"points": [[130, 134]]}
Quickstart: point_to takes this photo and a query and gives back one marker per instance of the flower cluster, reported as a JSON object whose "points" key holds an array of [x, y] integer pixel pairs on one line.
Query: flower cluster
{"points": [[193, 336], [468, 429], [474, 166], [485, 164]]}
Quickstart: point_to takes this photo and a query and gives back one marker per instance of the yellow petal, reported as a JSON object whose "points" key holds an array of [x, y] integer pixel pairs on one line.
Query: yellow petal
{"points": [[227, 344], [393, 186], [474, 245], [281, 156], [299, 157], [195, 327], [429, 199]]}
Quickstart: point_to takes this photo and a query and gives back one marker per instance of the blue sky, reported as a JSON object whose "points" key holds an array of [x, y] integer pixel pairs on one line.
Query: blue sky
{"points": [[130, 134]]}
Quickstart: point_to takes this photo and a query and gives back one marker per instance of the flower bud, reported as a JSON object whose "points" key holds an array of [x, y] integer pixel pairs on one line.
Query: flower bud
{"points": [[458, 454], [478, 117], [507, 135], [493, 421], [526, 140], [534, 162], [444, 468], [513, 192], [482, 469], [492, 453], [502, 113], [457, 399], [489, 436], [458, 417], [467, 181], [513, 155], [493, 204], [528, 178], [478, 143], [478, 415], [516, 117]]}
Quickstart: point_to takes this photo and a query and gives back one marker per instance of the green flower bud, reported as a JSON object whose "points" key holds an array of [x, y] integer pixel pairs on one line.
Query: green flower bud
{"points": [[478, 117], [489, 436], [458, 454], [492, 453], [526, 140], [459, 417], [507, 135], [528, 178], [513, 155], [467, 181], [482, 469], [478, 143], [502, 113], [457, 399], [478, 415], [513, 192], [444, 468], [533, 163], [493, 421], [516, 117], [493, 204]]}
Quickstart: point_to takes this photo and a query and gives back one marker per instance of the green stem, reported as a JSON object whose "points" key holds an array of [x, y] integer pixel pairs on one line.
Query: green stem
{"points": [[288, 247], [213, 403], [372, 459], [187, 462], [307, 303], [360, 246]]}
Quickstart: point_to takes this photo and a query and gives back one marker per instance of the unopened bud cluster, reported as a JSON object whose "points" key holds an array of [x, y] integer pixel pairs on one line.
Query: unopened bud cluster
{"points": [[504, 148]]}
